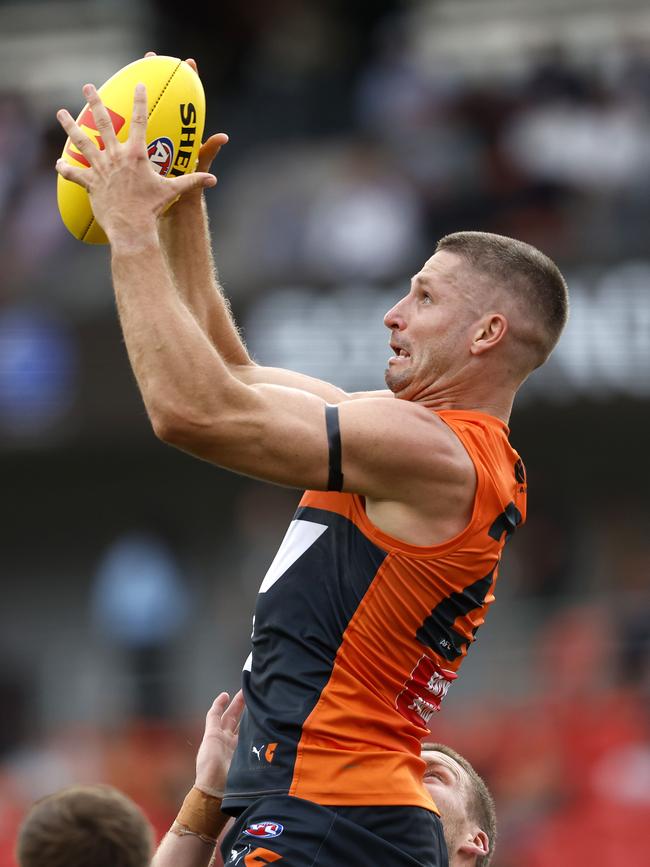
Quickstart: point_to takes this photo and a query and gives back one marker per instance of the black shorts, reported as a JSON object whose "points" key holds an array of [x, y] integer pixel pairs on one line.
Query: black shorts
{"points": [[298, 833]]}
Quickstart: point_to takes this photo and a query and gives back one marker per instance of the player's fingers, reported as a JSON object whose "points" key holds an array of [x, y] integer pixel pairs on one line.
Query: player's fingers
{"points": [[187, 183], [209, 149], [217, 708], [101, 116], [71, 173], [232, 715], [78, 138], [150, 54], [192, 62], [138, 131]]}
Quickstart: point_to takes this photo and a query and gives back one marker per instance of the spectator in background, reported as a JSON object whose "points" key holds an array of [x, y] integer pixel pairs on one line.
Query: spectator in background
{"points": [[18, 145], [366, 223]]}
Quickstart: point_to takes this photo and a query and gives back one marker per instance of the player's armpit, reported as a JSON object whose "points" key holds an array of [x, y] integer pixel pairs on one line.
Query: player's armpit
{"points": [[392, 450]]}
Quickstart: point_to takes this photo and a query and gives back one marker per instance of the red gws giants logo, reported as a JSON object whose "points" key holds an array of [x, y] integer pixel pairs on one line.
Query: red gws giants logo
{"points": [[424, 691], [87, 124]]}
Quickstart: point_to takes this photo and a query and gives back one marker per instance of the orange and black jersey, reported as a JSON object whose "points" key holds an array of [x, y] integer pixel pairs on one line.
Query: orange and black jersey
{"points": [[358, 635]]}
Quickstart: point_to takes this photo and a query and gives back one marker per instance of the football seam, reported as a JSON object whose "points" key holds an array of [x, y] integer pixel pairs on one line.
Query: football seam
{"points": [[167, 83], [149, 113]]}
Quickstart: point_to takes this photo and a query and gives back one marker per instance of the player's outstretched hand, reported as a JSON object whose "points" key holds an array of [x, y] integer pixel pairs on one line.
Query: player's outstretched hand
{"points": [[218, 744], [126, 193]]}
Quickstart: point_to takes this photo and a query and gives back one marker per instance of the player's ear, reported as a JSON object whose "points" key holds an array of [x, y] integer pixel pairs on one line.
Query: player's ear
{"points": [[489, 330], [476, 843]]}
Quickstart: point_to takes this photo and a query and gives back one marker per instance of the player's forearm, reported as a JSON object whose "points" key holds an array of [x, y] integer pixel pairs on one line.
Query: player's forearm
{"points": [[192, 838], [252, 374], [185, 241], [188, 851], [181, 376], [185, 236]]}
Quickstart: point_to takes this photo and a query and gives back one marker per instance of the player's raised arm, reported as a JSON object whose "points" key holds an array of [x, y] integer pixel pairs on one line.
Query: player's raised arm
{"points": [[185, 237], [186, 241], [193, 398], [392, 450]]}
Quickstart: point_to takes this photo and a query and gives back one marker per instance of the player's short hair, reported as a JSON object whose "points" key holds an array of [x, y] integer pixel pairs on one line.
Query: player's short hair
{"points": [[525, 272], [85, 826], [480, 803]]}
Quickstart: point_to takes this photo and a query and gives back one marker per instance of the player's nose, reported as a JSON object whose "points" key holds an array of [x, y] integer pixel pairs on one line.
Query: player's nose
{"points": [[394, 319]]}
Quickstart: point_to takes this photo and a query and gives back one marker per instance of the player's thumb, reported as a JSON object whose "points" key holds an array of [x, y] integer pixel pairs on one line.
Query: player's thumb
{"points": [[209, 150], [188, 183]]}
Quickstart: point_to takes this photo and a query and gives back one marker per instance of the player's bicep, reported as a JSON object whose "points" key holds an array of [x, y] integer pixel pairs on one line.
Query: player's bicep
{"points": [[374, 447], [270, 432]]}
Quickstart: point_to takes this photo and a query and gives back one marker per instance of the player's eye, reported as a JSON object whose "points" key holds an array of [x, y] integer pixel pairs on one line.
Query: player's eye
{"points": [[437, 775]]}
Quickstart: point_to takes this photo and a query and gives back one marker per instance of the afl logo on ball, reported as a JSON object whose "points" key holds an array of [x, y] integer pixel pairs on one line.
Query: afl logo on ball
{"points": [[264, 829], [161, 154]]}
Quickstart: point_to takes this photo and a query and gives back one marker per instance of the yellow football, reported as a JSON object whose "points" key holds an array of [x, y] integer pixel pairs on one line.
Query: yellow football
{"points": [[176, 106]]}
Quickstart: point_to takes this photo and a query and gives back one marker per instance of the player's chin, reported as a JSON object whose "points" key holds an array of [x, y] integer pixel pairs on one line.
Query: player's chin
{"points": [[396, 381]]}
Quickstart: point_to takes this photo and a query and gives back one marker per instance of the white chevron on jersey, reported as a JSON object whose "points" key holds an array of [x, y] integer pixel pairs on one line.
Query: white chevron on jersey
{"points": [[300, 536]]}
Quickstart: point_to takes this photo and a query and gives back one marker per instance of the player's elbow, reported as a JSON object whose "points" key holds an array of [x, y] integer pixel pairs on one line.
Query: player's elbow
{"points": [[212, 436], [178, 427], [164, 427]]}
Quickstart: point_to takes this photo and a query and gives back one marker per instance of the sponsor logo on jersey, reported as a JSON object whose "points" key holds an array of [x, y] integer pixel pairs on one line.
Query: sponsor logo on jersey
{"points": [[161, 154], [263, 751], [264, 830], [237, 854], [424, 691], [259, 857], [256, 858]]}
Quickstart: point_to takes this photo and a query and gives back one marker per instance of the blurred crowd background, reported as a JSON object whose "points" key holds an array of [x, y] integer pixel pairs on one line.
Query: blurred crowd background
{"points": [[360, 133]]}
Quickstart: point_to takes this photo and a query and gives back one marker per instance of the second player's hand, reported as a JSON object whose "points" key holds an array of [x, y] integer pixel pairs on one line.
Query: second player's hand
{"points": [[126, 193], [218, 744], [209, 150], [211, 146]]}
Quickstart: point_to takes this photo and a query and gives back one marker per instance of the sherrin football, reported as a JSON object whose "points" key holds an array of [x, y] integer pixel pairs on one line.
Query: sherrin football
{"points": [[176, 116]]}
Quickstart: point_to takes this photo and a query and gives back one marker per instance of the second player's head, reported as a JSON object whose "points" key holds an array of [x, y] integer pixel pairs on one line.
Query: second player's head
{"points": [[482, 313], [85, 826], [466, 806]]}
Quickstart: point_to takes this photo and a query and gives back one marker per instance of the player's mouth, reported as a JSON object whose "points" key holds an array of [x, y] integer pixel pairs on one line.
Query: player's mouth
{"points": [[401, 354]]}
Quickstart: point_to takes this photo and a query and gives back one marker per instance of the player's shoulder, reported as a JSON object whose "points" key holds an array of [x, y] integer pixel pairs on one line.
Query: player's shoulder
{"points": [[416, 438]]}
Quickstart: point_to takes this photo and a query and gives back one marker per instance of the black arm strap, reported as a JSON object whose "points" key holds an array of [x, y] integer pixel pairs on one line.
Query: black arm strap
{"points": [[335, 480]]}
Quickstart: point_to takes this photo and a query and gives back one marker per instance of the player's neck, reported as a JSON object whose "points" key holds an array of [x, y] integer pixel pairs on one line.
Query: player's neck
{"points": [[498, 402]]}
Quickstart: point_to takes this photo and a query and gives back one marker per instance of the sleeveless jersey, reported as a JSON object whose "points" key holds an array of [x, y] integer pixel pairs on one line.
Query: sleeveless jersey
{"points": [[357, 637]]}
